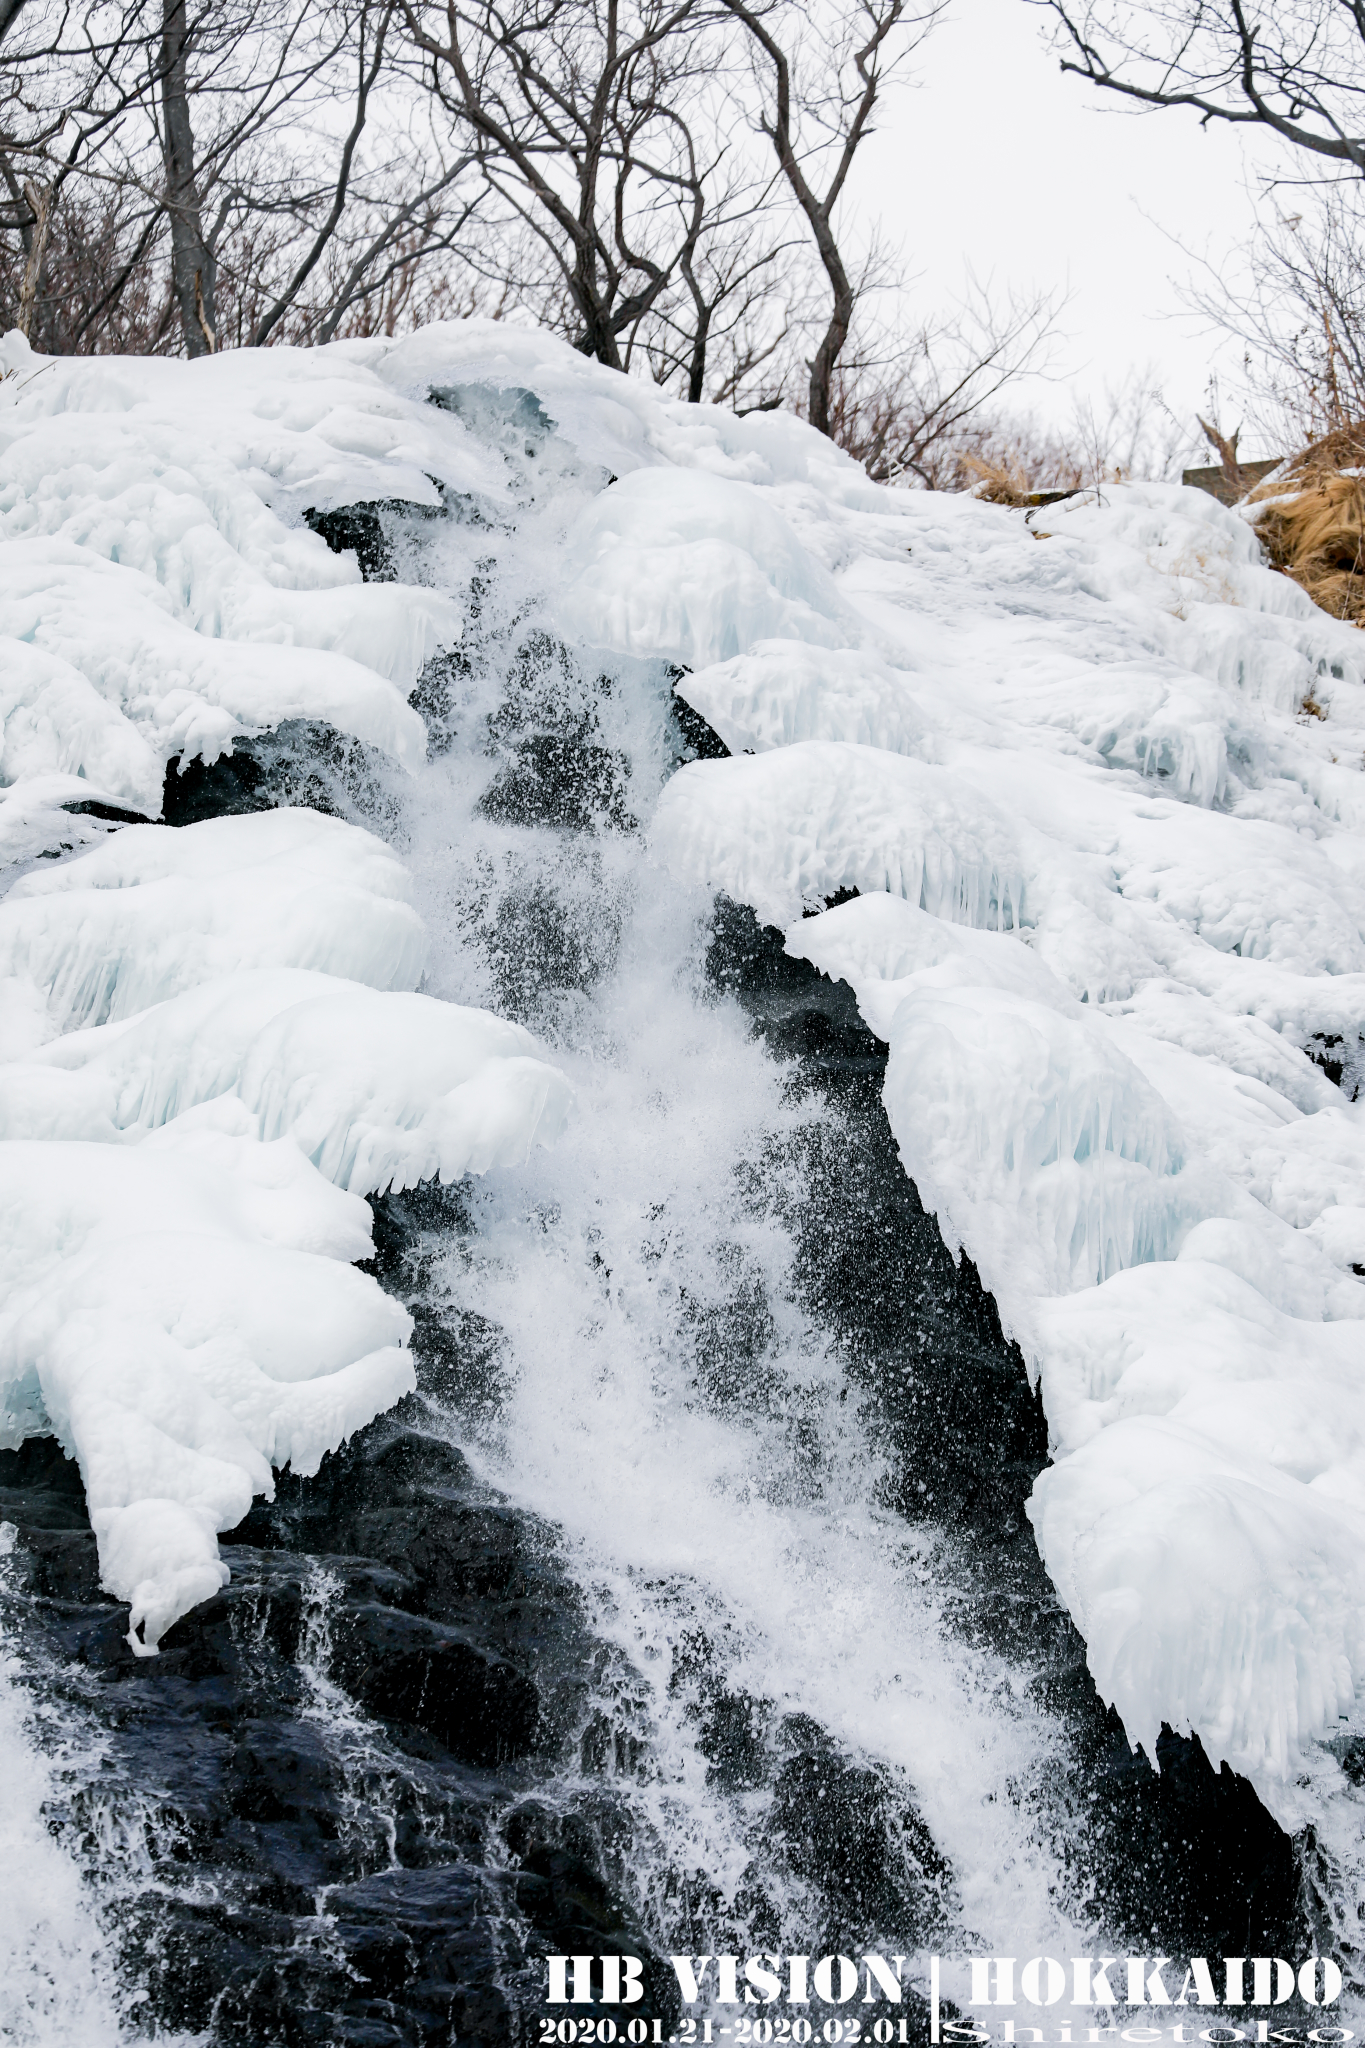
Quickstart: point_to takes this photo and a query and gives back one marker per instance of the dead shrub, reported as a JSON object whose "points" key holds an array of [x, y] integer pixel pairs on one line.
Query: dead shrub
{"points": [[997, 483], [1313, 521]]}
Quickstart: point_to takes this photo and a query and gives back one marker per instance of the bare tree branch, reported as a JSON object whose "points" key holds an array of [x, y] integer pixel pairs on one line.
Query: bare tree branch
{"points": [[875, 48], [1295, 67]]}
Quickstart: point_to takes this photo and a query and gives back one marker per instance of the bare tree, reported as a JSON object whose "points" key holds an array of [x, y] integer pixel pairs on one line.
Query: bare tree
{"points": [[722, 330], [578, 110], [216, 167], [820, 93], [907, 409], [192, 265], [76, 238], [1295, 299], [1295, 67], [39, 201]]}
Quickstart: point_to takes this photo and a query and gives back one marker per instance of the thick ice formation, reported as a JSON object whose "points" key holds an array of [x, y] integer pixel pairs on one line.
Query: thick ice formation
{"points": [[153, 604], [1095, 775], [180, 1181], [163, 1322], [377, 1090], [151, 913], [869, 820], [1121, 900]]}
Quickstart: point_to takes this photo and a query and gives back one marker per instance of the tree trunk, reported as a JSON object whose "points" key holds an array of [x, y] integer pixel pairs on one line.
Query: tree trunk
{"points": [[192, 264], [39, 198], [598, 339], [836, 334]]}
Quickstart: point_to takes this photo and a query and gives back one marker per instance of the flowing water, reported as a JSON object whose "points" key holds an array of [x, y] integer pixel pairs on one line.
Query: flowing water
{"points": [[690, 1606]]}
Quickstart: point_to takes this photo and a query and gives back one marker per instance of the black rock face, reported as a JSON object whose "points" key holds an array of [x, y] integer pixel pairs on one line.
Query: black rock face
{"points": [[566, 781], [1181, 1855], [341, 1750], [372, 532], [300, 762], [1342, 1059]]}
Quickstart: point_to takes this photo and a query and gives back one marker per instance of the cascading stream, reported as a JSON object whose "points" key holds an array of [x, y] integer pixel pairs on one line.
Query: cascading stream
{"points": [[708, 1509]]}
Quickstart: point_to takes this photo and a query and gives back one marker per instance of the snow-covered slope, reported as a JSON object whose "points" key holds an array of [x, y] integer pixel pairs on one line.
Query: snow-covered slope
{"points": [[209, 1051], [1096, 777], [1090, 746]]}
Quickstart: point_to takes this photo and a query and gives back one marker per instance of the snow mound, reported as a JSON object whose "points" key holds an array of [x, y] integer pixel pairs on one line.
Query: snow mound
{"points": [[102, 679], [377, 1090], [383, 1091], [697, 568], [783, 691], [153, 912], [158, 1323], [795, 826], [180, 1181], [163, 593], [1024, 1127], [1204, 1524]]}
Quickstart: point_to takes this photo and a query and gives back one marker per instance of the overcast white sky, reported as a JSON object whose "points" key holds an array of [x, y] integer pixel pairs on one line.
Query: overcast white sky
{"points": [[1036, 178]]}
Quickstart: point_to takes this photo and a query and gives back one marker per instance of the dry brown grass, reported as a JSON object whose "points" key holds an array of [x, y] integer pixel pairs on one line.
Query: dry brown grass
{"points": [[997, 483], [1313, 524], [1003, 483]]}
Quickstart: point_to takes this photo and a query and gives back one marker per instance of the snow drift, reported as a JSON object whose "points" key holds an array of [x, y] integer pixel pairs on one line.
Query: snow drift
{"points": [[1094, 776]]}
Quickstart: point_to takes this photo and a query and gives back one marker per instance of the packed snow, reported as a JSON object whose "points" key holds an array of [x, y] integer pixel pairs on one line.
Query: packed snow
{"points": [[1094, 774]]}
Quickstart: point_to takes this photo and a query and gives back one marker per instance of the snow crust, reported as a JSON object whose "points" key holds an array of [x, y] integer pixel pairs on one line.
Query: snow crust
{"points": [[1094, 774]]}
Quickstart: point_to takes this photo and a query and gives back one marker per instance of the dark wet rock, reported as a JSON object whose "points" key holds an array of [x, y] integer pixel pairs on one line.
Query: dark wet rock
{"points": [[731, 1735], [348, 1848], [41, 1494], [845, 1828], [545, 690], [357, 530], [109, 814], [870, 1854], [916, 1326], [404, 1668], [1342, 1059], [566, 782], [1189, 1856], [700, 740], [559, 1858], [803, 1016], [1189, 1848], [539, 944], [40, 1488], [446, 675], [301, 762], [373, 532]]}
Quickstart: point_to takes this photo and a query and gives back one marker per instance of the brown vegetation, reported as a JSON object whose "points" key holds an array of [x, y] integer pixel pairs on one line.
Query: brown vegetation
{"points": [[1313, 521], [997, 483]]}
